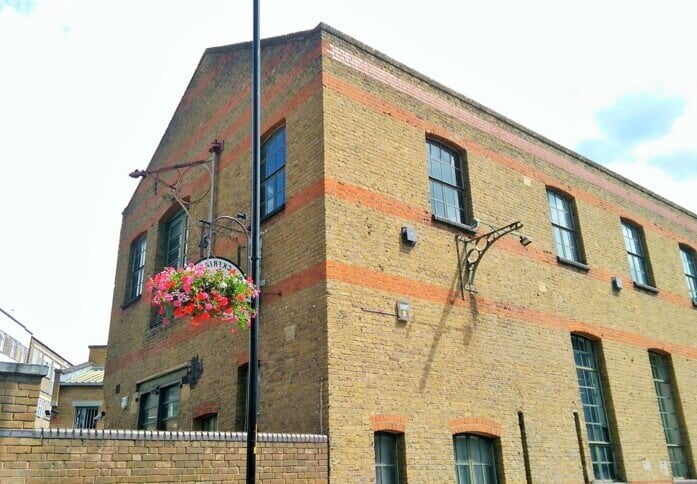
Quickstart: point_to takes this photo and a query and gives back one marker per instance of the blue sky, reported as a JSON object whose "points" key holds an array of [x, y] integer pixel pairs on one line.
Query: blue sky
{"points": [[21, 6], [635, 119], [88, 88]]}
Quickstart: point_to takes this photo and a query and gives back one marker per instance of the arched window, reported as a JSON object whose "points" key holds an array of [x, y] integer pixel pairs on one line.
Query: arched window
{"points": [[669, 415], [175, 240], [594, 412], [273, 172], [636, 253], [564, 227], [474, 459], [689, 265], [447, 184], [386, 458], [136, 272]]}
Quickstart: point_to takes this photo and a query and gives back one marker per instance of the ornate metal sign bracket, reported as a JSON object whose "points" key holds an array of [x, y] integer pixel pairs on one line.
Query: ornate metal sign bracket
{"points": [[471, 251]]}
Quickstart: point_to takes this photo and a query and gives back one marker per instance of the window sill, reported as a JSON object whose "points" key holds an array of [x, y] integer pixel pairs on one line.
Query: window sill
{"points": [[131, 302], [573, 263], [467, 228], [645, 287]]}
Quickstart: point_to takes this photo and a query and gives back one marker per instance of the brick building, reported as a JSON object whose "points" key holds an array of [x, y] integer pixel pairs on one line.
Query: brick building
{"points": [[78, 392], [19, 345], [575, 358]]}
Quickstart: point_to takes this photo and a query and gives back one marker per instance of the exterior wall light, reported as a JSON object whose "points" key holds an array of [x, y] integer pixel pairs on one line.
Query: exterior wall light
{"points": [[617, 284], [524, 240], [409, 236], [403, 310]]}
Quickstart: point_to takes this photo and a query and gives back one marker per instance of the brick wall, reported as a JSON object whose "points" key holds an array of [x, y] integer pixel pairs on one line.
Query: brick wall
{"points": [[125, 456], [19, 394], [333, 354], [47, 455], [293, 332], [503, 354], [64, 412]]}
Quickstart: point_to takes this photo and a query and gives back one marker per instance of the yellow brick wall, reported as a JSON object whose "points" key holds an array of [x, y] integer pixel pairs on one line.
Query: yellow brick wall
{"points": [[293, 329], [104, 459], [507, 349], [64, 412], [333, 355], [19, 394]]}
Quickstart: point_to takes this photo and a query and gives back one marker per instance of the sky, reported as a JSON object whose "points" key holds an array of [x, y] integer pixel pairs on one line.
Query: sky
{"points": [[87, 88]]}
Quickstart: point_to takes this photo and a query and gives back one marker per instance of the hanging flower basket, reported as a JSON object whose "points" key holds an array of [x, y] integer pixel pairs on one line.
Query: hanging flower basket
{"points": [[202, 293]]}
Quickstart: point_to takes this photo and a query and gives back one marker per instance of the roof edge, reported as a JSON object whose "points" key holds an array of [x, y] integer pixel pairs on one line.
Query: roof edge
{"points": [[513, 124]]}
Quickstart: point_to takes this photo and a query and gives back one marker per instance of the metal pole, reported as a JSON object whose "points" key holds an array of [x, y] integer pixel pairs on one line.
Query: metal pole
{"points": [[255, 256]]}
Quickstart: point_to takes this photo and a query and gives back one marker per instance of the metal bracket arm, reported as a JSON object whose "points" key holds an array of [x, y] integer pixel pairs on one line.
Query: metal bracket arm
{"points": [[474, 250]]}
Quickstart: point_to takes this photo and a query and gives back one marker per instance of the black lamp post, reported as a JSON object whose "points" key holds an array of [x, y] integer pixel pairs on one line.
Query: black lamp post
{"points": [[255, 256]]}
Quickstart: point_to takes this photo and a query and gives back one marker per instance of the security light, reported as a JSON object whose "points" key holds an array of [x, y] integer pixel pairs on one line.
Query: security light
{"points": [[525, 240], [403, 310]]}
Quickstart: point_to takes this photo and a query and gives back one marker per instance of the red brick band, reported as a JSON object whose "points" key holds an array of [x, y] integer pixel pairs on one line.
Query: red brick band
{"points": [[474, 425], [388, 423], [441, 104], [206, 408]]}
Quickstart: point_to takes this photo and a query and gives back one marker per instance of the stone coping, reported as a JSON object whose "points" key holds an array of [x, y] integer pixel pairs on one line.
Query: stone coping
{"points": [[23, 369], [149, 435]]}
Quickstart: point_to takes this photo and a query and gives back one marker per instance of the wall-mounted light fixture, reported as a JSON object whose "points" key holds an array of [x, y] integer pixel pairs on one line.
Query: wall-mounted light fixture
{"points": [[524, 240], [471, 251], [409, 235], [617, 284], [403, 310]]}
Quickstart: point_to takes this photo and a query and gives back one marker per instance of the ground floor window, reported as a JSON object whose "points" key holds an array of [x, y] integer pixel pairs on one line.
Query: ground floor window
{"points": [[669, 414], [86, 417], [159, 408], [474, 459], [207, 423], [386, 458]]}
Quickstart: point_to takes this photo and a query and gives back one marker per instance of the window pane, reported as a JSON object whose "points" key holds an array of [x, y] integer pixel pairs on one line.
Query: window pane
{"points": [[669, 418], [594, 412], [386, 465], [563, 226], [635, 253], [447, 184], [273, 154], [474, 459], [690, 267], [176, 241]]}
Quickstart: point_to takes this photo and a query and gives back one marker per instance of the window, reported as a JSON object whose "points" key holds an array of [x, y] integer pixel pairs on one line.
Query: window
{"points": [[594, 413], [386, 461], [449, 201], [564, 226], [137, 269], [636, 254], [474, 459], [669, 417], [86, 417], [159, 408], [207, 423], [175, 240], [241, 397], [273, 172], [690, 267]]}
